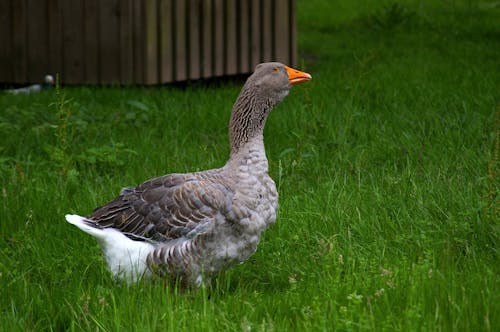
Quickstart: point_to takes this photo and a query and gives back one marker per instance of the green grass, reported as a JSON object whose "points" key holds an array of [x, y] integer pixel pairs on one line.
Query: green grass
{"points": [[386, 164]]}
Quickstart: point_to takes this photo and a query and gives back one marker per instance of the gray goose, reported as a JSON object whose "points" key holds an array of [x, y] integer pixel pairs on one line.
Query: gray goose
{"points": [[190, 226]]}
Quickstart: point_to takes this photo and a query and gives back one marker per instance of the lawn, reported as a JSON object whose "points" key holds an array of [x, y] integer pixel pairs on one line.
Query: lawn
{"points": [[386, 164]]}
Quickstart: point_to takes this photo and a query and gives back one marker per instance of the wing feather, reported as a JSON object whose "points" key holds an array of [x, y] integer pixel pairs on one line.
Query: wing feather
{"points": [[165, 208]]}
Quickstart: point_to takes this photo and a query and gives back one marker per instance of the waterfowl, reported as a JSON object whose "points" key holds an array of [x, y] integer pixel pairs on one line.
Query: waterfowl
{"points": [[48, 82], [190, 226]]}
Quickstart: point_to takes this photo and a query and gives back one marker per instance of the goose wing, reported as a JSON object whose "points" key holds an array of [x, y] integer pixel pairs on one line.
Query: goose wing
{"points": [[165, 208]]}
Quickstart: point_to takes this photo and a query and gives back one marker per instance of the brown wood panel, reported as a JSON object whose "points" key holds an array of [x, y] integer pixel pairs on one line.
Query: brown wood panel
{"points": [[6, 69], [126, 46], [243, 20], [194, 26], [73, 32], [281, 32], [91, 42], [36, 40], [219, 45], [109, 41], [181, 36], [292, 33], [151, 42], [231, 30], [137, 41], [166, 41], [55, 37], [255, 33], [207, 39], [19, 51], [267, 32]]}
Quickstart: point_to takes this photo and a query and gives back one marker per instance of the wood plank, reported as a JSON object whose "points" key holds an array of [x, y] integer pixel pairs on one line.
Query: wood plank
{"points": [[244, 13], [19, 61], [137, 44], [73, 32], [36, 40], [207, 39], [281, 31], [231, 32], [109, 42], [293, 33], [151, 42], [126, 48], [267, 32], [91, 42], [218, 17], [55, 38], [166, 42], [180, 33], [6, 72], [255, 34], [194, 27]]}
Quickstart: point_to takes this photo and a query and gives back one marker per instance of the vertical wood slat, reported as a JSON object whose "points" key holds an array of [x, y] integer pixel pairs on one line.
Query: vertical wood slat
{"points": [[151, 42], [181, 54], [218, 45], [19, 48], [266, 34], [231, 46], [166, 41], [142, 41], [194, 39], [255, 31], [126, 42], [55, 38], [36, 38], [109, 41], [281, 27], [244, 36], [6, 40], [91, 41], [207, 39], [137, 49]]}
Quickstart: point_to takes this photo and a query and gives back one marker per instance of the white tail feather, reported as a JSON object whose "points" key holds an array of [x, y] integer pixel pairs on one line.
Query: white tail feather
{"points": [[126, 258]]}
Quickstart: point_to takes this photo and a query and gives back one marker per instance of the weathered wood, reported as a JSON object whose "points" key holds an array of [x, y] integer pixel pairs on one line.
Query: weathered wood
{"points": [[126, 42], [6, 40], [91, 42], [231, 45], [218, 44], [109, 41], [194, 34], [255, 33], [243, 19], [142, 41], [55, 38], [207, 39], [151, 42], [19, 49], [267, 32], [181, 41], [281, 45], [166, 41]]}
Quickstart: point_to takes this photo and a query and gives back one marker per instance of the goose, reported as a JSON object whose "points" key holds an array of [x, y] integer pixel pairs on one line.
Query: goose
{"points": [[191, 226], [48, 82]]}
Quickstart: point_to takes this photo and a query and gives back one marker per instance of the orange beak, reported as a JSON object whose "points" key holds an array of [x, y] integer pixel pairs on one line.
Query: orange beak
{"points": [[296, 76]]}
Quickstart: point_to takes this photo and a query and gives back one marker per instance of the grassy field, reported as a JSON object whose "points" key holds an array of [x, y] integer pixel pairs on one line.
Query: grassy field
{"points": [[386, 164]]}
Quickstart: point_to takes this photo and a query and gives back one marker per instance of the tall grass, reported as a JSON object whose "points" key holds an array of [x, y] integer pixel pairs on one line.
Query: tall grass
{"points": [[386, 164]]}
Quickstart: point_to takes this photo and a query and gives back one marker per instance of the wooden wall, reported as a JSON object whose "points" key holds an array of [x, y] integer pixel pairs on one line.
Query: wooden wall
{"points": [[142, 41]]}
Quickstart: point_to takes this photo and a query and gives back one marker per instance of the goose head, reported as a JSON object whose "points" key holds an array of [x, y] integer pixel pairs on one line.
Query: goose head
{"points": [[264, 89]]}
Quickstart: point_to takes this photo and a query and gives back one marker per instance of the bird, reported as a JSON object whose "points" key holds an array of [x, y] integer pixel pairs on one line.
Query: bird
{"points": [[191, 226], [48, 82]]}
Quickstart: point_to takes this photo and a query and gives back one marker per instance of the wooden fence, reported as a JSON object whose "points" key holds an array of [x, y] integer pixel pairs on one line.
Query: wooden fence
{"points": [[142, 41]]}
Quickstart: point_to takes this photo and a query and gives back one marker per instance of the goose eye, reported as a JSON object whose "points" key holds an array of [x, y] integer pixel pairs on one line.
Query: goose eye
{"points": [[276, 69]]}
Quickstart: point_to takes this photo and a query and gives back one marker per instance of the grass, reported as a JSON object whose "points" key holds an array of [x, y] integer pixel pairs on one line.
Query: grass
{"points": [[386, 164]]}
